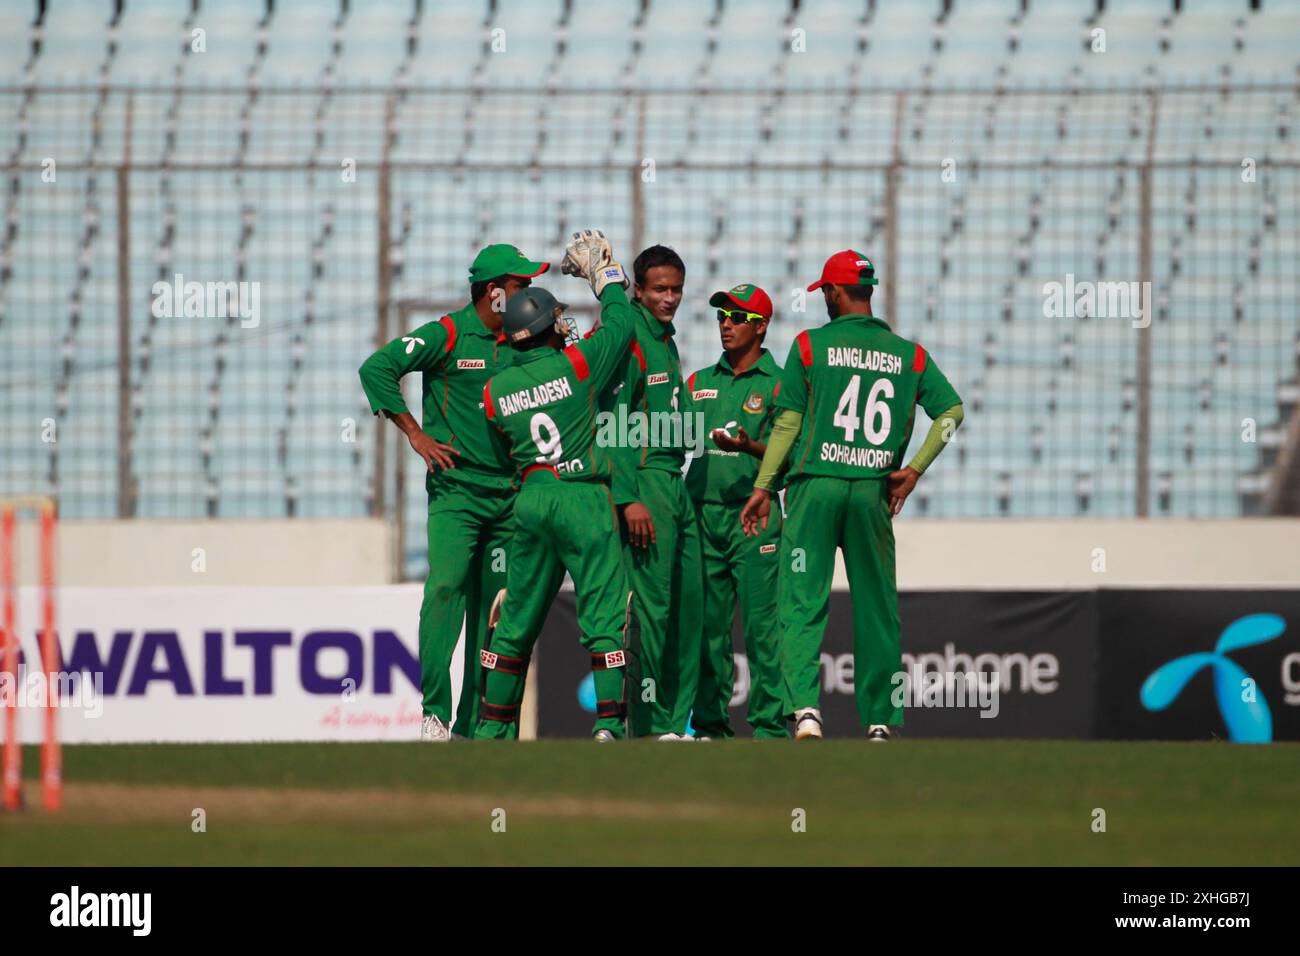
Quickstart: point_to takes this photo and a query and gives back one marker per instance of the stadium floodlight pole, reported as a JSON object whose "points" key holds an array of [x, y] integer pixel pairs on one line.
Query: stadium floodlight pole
{"points": [[638, 195], [1145, 173], [125, 484], [51, 753], [893, 179]]}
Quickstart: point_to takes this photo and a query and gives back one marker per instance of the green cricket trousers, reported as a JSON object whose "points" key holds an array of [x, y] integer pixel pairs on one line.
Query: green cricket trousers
{"points": [[734, 566], [560, 525], [469, 527], [823, 514], [665, 579]]}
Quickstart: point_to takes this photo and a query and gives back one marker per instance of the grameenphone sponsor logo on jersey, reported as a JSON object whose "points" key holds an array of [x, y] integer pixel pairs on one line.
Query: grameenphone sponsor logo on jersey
{"points": [[1242, 706]]}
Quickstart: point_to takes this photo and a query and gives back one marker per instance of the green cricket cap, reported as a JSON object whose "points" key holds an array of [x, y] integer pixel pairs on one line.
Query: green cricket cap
{"points": [[502, 259]]}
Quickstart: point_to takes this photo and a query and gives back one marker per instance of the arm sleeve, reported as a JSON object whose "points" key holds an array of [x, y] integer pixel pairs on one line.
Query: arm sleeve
{"points": [[941, 430], [624, 458], [605, 350], [779, 443], [419, 351]]}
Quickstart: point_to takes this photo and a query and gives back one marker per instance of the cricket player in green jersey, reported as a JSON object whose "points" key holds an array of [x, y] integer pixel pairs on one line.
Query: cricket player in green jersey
{"points": [[471, 499], [655, 427], [736, 396], [848, 396], [546, 407]]}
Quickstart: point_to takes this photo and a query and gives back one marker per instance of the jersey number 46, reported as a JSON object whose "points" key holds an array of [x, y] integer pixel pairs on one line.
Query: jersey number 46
{"points": [[846, 416]]}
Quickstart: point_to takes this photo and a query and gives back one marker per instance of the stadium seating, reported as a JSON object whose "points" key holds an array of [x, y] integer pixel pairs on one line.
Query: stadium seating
{"points": [[756, 136]]}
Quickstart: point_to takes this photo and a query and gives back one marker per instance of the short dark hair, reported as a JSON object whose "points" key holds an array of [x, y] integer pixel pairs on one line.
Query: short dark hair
{"points": [[653, 257], [479, 289], [858, 293]]}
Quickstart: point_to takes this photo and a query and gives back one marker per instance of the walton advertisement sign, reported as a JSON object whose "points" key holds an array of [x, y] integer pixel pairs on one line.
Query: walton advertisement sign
{"points": [[232, 664]]}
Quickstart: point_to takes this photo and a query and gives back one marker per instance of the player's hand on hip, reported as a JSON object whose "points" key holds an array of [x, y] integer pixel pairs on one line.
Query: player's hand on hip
{"points": [[640, 528], [901, 483], [753, 517], [434, 452], [589, 255]]}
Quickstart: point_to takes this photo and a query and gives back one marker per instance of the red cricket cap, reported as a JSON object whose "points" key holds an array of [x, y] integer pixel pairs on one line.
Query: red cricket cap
{"points": [[746, 295], [847, 268]]}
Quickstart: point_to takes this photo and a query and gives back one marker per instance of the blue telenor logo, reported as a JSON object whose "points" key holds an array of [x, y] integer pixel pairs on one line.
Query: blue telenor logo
{"points": [[1248, 721], [587, 693]]}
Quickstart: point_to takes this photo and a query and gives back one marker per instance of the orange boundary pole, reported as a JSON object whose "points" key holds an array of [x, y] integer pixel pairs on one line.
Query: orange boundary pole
{"points": [[50, 664], [51, 752]]}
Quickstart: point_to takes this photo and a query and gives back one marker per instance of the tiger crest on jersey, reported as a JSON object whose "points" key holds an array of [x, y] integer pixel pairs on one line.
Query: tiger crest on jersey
{"points": [[754, 403]]}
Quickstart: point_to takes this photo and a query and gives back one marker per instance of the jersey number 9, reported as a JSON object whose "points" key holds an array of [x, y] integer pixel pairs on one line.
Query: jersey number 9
{"points": [[548, 444]]}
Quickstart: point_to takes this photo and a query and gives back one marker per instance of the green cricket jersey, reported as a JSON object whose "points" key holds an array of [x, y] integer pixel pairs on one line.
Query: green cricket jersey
{"points": [[652, 386], [730, 401], [457, 354], [857, 385], [546, 404]]}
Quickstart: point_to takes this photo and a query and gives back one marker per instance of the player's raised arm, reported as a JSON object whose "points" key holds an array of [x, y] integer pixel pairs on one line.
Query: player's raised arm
{"points": [[590, 256]]}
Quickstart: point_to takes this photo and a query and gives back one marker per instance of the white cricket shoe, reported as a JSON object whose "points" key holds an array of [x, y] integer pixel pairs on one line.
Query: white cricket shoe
{"points": [[674, 738], [434, 730], [603, 736], [808, 724], [878, 733]]}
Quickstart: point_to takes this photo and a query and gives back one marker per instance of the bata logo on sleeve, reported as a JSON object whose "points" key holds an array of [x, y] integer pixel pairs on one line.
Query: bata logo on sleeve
{"points": [[702, 393], [658, 378], [767, 549], [471, 363]]}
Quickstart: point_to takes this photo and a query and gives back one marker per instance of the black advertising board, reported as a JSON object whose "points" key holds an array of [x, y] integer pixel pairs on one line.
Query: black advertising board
{"points": [[1196, 665], [1140, 664], [1039, 646]]}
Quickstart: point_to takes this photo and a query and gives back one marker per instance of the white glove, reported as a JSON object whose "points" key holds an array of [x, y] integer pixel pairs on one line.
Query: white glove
{"points": [[590, 256]]}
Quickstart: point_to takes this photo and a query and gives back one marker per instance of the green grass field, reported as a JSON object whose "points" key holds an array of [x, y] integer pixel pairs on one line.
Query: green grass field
{"points": [[912, 802]]}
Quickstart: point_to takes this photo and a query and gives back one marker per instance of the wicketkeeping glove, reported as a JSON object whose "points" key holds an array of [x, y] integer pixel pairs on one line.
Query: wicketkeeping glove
{"points": [[590, 256]]}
